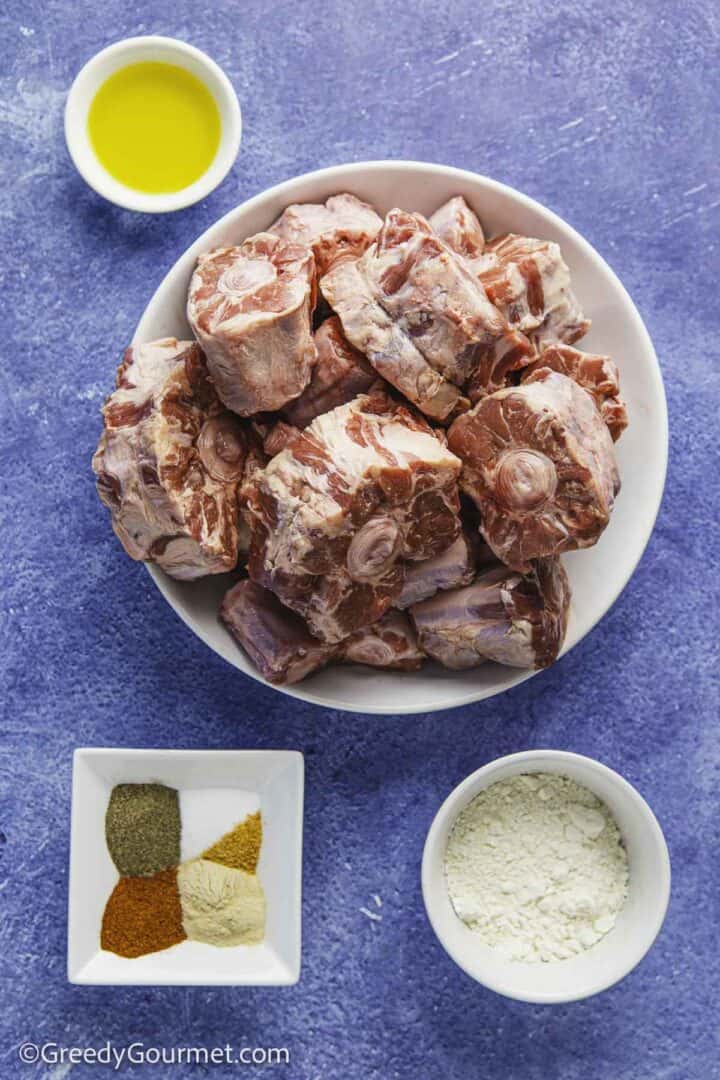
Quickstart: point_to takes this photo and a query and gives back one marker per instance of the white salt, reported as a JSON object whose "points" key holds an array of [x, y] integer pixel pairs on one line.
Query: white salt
{"points": [[208, 813]]}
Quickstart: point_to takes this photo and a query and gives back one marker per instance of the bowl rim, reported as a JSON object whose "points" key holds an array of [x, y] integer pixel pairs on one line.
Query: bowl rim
{"points": [[94, 174], [480, 780], [341, 174]]}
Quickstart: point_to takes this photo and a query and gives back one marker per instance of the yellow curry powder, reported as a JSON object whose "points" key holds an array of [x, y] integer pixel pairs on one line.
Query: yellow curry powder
{"points": [[240, 848]]}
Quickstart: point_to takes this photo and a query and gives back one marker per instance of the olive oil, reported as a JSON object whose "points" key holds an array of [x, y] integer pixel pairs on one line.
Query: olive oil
{"points": [[155, 127]]}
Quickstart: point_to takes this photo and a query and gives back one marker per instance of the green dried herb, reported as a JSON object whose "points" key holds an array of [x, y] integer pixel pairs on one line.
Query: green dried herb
{"points": [[142, 828]]}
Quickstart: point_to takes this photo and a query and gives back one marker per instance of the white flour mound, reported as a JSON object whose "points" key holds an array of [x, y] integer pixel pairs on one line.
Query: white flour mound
{"points": [[536, 867]]}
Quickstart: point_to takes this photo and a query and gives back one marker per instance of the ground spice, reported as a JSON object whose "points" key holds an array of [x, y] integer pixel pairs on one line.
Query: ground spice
{"points": [[143, 915], [220, 905], [240, 848], [142, 828]]}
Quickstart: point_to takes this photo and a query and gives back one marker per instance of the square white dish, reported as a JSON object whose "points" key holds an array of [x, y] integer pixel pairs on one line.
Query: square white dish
{"points": [[276, 777]]}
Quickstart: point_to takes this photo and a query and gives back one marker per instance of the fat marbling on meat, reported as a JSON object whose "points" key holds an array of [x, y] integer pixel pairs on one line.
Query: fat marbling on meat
{"points": [[390, 643], [277, 640], [342, 226], [337, 514], [528, 280], [339, 375], [251, 308], [515, 619], [390, 350], [595, 373], [459, 227], [421, 318], [170, 460], [539, 463]]}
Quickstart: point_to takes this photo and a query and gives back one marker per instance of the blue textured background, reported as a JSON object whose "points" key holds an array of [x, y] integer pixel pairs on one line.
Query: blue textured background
{"points": [[606, 113]]}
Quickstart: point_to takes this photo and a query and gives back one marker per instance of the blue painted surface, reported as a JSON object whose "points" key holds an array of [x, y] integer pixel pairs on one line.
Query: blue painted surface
{"points": [[606, 113]]}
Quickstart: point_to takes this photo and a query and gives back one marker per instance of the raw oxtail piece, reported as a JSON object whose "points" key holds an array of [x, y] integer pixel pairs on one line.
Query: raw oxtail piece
{"points": [[337, 514], [389, 643], [449, 570], [340, 227], [529, 282], [539, 463], [251, 308], [431, 295], [277, 640], [169, 462], [596, 374], [459, 227], [390, 350], [514, 619], [339, 375], [421, 318]]}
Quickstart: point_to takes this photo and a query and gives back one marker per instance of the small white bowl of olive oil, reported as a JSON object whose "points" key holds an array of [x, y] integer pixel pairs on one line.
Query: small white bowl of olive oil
{"points": [[152, 124]]}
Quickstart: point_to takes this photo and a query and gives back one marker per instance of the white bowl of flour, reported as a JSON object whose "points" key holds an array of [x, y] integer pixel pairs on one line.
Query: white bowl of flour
{"points": [[546, 876]]}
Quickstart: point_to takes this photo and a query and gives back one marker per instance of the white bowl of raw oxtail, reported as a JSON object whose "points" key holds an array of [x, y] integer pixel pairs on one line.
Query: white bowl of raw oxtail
{"points": [[546, 876], [390, 437]]}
